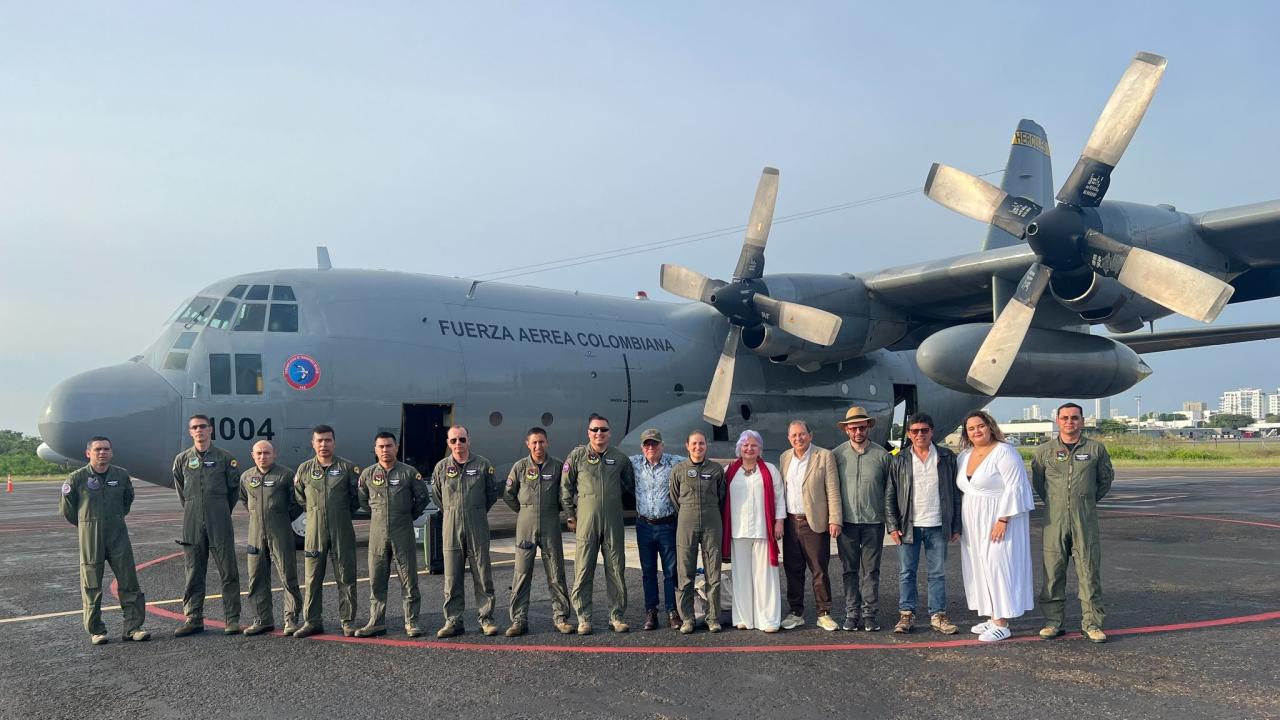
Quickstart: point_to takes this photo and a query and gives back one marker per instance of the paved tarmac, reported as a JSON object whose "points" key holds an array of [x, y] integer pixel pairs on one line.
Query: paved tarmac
{"points": [[1192, 592]]}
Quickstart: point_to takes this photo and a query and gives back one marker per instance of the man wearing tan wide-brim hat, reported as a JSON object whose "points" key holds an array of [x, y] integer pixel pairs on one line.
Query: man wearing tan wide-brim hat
{"points": [[863, 470]]}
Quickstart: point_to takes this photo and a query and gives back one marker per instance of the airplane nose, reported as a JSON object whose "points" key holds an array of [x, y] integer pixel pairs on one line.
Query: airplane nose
{"points": [[128, 403]]}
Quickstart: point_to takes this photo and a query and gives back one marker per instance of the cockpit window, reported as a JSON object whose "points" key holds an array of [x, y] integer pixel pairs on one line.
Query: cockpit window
{"points": [[258, 292], [175, 361], [252, 316], [248, 374], [284, 318], [197, 312], [283, 293], [185, 341], [222, 317], [219, 374], [237, 291]]}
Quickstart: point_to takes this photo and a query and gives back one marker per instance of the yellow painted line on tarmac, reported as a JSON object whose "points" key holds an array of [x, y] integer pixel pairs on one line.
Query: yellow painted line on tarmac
{"points": [[174, 601]]}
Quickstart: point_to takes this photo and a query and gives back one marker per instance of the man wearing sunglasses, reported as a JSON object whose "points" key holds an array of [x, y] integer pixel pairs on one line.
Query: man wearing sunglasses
{"points": [[465, 487], [922, 510], [208, 483], [591, 485]]}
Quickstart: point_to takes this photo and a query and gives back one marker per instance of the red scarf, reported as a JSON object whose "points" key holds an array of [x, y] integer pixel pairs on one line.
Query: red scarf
{"points": [[727, 538]]}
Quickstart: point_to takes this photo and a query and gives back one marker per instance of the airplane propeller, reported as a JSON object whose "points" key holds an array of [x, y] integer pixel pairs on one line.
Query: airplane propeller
{"points": [[1064, 244], [744, 302]]}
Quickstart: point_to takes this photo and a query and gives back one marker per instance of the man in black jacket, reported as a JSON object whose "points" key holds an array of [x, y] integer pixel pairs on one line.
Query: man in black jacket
{"points": [[922, 509]]}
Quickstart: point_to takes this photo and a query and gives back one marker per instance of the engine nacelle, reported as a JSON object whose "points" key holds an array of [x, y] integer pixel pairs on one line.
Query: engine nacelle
{"points": [[1101, 301], [866, 324], [1051, 363]]}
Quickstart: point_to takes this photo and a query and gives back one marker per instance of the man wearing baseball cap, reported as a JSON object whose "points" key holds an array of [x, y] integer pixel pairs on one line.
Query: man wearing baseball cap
{"points": [[656, 526]]}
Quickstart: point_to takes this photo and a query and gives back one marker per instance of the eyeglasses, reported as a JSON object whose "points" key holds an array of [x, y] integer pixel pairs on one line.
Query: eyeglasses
{"points": [[598, 429], [199, 427], [457, 441], [1070, 418], [919, 431]]}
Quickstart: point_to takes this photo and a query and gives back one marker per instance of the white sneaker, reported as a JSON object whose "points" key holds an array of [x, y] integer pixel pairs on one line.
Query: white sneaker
{"points": [[994, 633], [791, 622], [981, 627]]}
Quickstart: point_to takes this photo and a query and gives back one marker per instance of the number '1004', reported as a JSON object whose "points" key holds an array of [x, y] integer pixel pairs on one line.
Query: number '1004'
{"points": [[243, 428]]}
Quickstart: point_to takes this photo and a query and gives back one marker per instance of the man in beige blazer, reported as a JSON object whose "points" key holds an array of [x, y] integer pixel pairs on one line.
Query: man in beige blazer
{"points": [[811, 486]]}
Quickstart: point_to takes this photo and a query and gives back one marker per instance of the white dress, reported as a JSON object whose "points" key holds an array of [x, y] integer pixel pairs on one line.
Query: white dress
{"points": [[997, 576], [757, 585]]}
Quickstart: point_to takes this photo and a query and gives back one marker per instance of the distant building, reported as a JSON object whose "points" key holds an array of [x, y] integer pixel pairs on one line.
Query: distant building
{"points": [[1195, 410], [1245, 401], [1273, 403], [1026, 413], [1035, 413], [1102, 408]]}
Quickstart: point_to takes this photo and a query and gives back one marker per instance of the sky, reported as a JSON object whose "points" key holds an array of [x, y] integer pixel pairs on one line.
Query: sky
{"points": [[150, 149]]}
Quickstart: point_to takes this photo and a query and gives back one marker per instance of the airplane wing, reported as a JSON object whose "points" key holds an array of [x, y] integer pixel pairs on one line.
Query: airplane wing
{"points": [[957, 288], [1250, 234], [1142, 342]]}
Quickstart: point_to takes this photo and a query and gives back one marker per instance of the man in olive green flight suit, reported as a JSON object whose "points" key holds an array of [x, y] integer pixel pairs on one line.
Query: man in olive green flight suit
{"points": [[698, 492], [395, 495], [95, 499], [207, 479], [591, 485], [266, 489], [1071, 473], [533, 491], [464, 486], [326, 485]]}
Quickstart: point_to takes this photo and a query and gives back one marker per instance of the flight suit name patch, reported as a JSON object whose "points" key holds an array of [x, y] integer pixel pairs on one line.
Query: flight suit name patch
{"points": [[393, 482], [1082, 456], [706, 476], [210, 463], [610, 461], [268, 483], [471, 473], [335, 472], [112, 483], [549, 476]]}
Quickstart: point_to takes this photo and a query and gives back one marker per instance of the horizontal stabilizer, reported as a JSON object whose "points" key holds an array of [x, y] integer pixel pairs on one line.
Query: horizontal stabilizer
{"points": [[1197, 337]]}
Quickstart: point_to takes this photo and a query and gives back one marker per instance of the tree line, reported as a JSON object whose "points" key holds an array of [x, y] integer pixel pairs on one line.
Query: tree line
{"points": [[18, 456]]}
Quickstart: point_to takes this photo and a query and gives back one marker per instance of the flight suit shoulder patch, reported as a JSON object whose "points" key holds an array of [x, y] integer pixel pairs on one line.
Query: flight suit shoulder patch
{"points": [[234, 464], [66, 488]]}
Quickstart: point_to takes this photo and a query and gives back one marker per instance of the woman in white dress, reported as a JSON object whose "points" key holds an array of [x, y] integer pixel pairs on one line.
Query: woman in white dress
{"points": [[995, 547], [753, 515]]}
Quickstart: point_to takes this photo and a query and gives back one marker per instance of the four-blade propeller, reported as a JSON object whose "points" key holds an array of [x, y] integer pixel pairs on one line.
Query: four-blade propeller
{"points": [[1062, 239], [744, 301]]}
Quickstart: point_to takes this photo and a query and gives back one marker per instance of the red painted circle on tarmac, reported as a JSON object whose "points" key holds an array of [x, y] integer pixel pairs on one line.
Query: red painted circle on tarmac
{"points": [[704, 650]]}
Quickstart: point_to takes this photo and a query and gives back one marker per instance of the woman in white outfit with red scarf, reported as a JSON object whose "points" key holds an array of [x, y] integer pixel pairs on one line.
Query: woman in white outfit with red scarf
{"points": [[753, 516]]}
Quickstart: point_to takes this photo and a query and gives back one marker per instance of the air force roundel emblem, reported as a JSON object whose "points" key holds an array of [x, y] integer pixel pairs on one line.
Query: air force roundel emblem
{"points": [[302, 372]]}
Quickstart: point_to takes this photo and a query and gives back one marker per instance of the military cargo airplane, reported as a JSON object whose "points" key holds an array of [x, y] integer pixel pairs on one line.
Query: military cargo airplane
{"points": [[270, 354]]}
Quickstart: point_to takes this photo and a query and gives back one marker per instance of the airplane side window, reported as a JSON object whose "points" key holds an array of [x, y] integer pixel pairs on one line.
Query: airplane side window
{"points": [[219, 374], [222, 317], [284, 318], [185, 341], [175, 361], [237, 291], [258, 292], [178, 312], [283, 293], [248, 374], [252, 316]]}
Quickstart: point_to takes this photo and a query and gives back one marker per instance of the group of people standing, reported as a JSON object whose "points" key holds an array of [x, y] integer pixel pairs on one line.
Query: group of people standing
{"points": [[765, 518]]}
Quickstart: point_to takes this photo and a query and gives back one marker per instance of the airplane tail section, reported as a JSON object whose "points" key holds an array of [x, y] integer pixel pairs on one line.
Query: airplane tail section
{"points": [[1028, 173]]}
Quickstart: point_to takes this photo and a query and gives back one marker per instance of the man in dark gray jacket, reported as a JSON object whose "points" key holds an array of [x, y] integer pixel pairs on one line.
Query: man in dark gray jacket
{"points": [[922, 509]]}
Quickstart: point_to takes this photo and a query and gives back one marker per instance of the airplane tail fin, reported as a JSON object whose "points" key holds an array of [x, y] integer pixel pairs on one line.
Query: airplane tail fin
{"points": [[1028, 173]]}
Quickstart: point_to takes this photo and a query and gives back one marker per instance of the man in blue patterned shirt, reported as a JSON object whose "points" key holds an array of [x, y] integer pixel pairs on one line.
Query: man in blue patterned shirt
{"points": [[656, 526]]}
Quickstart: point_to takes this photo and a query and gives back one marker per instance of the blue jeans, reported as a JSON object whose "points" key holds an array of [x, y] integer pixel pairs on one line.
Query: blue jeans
{"points": [[934, 541], [654, 541]]}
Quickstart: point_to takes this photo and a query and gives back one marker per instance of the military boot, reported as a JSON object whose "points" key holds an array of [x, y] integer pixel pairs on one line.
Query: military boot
{"points": [[940, 622], [563, 626], [371, 630], [488, 627], [517, 629], [619, 626], [714, 626], [258, 628], [348, 629], [99, 639], [190, 627], [231, 628], [307, 630], [290, 624], [137, 636], [449, 630], [413, 630], [686, 627]]}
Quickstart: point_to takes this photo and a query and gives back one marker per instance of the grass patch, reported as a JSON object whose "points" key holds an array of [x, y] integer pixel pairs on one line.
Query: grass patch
{"points": [[1144, 452]]}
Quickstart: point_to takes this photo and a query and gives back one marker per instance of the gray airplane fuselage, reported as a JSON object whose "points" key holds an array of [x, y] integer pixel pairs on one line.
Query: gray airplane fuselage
{"points": [[499, 358]]}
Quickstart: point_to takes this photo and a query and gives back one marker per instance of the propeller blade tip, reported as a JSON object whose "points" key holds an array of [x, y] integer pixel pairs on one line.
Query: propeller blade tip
{"points": [[1151, 59], [770, 170], [933, 172], [981, 386]]}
